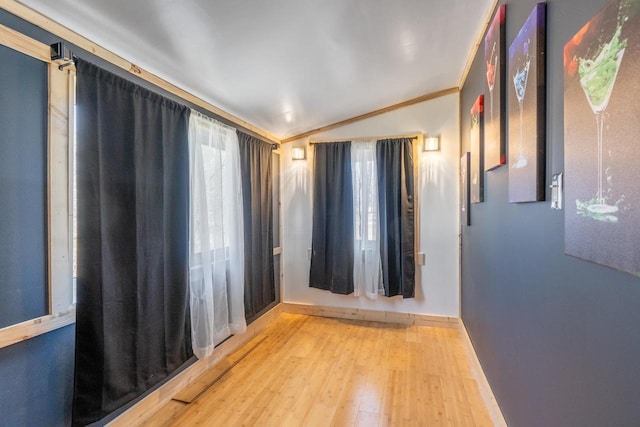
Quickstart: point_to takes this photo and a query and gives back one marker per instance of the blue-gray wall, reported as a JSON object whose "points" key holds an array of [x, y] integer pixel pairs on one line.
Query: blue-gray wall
{"points": [[558, 337], [36, 380], [23, 187], [36, 376]]}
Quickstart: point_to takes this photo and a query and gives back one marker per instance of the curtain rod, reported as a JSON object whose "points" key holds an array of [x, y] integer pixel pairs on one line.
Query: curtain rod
{"points": [[64, 57], [365, 138]]}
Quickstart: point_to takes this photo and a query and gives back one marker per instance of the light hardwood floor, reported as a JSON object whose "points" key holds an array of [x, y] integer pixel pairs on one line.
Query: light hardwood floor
{"points": [[314, 371]]}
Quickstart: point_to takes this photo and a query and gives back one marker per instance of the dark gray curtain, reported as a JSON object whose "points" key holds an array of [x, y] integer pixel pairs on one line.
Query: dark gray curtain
{"points": [[332, 237], [257, 196], [397, 235], [132, 327]]}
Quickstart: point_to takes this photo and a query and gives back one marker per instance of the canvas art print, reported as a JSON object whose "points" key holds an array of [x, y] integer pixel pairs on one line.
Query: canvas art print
{"points": [[602, 127], [476, 172], [464, 189], [526, 81], [494, 57]]}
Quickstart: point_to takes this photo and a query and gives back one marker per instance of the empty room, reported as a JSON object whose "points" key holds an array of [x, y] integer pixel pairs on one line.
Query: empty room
{"points": [[319, 213]]}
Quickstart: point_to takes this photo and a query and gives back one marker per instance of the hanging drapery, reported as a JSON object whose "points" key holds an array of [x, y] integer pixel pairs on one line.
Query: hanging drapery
{"points": [[367, 272], [216, 257], [257, 195], [132, 327], [396, 201], [332, 235]]}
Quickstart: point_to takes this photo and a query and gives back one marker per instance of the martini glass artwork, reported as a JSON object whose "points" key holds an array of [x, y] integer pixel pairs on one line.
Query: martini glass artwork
{"points": [[597, 78], [475, 119], [491, 77], [463, 181], [520, 85]]}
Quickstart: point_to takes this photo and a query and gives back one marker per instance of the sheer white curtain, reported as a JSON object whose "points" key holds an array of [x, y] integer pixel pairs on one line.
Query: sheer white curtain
{"points": [[216, 252], [367, 268]]}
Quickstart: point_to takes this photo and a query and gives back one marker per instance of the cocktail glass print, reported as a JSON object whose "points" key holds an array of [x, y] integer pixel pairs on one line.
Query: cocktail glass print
{"points": [[520, 86], [597, 78], [476, 143], [465, 166], [475, 124], [527, 109], [491, 76], [494, 61], [601, 128]]}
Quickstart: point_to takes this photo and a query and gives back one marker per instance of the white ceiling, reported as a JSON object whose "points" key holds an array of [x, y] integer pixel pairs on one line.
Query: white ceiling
{"points": [[286, 66]]}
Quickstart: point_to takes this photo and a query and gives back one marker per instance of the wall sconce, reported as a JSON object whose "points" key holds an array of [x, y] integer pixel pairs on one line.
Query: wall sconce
{"points": [[298, 153], [431, 143]]}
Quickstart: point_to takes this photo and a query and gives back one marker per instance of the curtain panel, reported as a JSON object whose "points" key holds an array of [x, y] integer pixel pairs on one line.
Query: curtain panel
{"points": [[397, 228], [367, 268], [216, 246], [257, 196], [332, 235], [132, 328]]}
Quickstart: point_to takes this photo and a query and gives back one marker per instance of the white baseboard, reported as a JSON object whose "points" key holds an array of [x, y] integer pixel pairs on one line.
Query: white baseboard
{"points": [[155, 400], [483, 385], [372, 315]]}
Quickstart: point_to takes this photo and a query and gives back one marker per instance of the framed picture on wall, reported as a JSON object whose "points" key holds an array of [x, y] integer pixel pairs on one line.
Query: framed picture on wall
{"points": [[601, 129], [476, 172], [527, 110], [494, 121], [465, 214]]}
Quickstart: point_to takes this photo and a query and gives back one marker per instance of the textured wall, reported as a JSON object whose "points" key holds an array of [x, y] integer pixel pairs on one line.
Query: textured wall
{"points": [[37, 380], [437, 292], [36, 376], [557, 336]]}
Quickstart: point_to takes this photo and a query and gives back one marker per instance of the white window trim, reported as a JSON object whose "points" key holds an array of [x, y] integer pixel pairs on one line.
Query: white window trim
{"points": [[61, 309]]}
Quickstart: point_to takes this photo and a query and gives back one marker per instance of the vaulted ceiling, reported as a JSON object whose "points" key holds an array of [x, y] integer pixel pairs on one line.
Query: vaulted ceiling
{"points": [[287, 66]]}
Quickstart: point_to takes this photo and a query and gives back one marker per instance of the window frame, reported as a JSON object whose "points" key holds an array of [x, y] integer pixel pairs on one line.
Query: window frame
{"points": [[215, 247], [369, 214], [61, 90]]}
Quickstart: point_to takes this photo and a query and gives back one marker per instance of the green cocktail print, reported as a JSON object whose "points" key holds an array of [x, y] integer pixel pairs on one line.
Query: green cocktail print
{"points": [[597, 78]]}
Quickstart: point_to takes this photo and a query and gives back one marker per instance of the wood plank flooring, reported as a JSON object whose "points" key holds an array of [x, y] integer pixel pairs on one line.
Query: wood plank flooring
{"points": [[314, 371]]}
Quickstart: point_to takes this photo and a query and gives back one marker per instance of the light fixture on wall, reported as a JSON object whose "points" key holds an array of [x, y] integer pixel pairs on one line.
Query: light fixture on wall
{"points": [[431, 143], [298, 153]]}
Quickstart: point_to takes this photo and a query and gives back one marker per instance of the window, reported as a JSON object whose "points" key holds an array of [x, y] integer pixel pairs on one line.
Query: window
{"points": [[366, 244], [365, 200], [277, 249], [214, 166], [216, 258]]}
